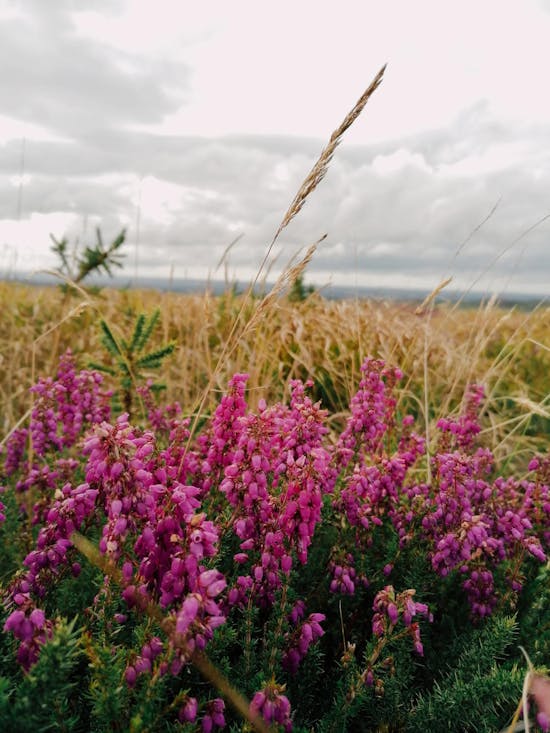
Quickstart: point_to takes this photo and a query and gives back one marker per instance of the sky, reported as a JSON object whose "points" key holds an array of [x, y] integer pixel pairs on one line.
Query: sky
{"points": [[192, 125]]}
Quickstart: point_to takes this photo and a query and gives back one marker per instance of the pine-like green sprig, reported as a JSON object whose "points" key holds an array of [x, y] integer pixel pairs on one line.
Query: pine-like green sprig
{"points": [[129, 361], [46, 699], [479, 693]]}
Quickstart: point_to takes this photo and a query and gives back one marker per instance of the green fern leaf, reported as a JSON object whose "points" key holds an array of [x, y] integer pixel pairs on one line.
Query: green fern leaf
{"points": [[138, 332]]}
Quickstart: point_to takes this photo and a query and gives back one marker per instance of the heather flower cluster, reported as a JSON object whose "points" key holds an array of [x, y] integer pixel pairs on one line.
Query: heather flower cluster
{"points": [[213, 718], [63, 410], [475, 523], [470, 521], [150, 528], [30, 627], [390, 608], [276, 472], [305, 632], [66, 406], [263, 537], [272, 705]]}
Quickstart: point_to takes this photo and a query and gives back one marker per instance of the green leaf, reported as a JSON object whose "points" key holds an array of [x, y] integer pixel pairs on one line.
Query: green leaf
{"points": [[99, 239], [154, 359], [138, 331], [109, 340], [60, 249], [101, 368], [146, 334]]}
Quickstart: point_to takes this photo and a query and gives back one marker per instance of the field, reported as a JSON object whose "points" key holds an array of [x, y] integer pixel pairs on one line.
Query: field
{"points": [[274, 513], [437, 646], [440, 348]]}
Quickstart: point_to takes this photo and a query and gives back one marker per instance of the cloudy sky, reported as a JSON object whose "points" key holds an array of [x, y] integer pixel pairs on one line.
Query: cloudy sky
{"points": [[191, 124]]}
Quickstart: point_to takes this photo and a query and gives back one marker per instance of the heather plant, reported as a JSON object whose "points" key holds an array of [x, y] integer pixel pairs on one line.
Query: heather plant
{"points": [[264, 571]]}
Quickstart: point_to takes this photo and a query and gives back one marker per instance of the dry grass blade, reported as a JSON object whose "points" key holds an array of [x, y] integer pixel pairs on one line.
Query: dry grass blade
{"points": [[317, 173], [475, 230], [67, 280], [501, 254], [320, 168], [538, 343], [315, 176], [289, 276], [227, 250], [14, 427], [534, 408], [431, 297]]}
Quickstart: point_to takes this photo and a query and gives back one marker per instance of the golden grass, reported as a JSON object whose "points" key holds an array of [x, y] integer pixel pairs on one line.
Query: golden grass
{"points": [[440, 350]]}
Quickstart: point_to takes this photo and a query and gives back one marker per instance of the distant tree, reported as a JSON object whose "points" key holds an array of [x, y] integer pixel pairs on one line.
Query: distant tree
{"points": [[97, 258], [299, 292]]}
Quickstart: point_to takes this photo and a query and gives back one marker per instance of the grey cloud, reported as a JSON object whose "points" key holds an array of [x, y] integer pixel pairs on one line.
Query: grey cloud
{"points": [[45, 194], [402, 206], [72, 85]]}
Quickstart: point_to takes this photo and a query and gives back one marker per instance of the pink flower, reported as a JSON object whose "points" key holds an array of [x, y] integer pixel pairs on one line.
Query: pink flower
{"points": [[540, 690], [188, 712], [272, 706]]}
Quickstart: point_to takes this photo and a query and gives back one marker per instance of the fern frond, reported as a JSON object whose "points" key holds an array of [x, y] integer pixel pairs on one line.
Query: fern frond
{"points": [[118, 241], [60, 249], [124, 367], [101, 368]]}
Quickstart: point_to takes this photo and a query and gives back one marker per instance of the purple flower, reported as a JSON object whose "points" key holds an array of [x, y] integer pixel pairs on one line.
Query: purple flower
{"points": [[273, 706], [188, 712]]}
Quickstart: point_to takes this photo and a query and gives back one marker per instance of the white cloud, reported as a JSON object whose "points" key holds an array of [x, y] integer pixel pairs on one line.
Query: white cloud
{"points": [[28, 239], [393, 163], [17, 129], [495, 158]]}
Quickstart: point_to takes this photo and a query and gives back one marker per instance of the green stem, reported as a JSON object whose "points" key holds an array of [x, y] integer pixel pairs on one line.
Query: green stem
{"points": [[278, 633], [199, 659]]}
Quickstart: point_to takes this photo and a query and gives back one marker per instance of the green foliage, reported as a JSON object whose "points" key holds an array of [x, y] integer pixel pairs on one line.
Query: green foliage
{"points": [[98, 258], [299, 291], [108, 695], [46, 699], [476, 691], [348, 700], [479, 704], [534, 612], [129, 358], [11, 553]]}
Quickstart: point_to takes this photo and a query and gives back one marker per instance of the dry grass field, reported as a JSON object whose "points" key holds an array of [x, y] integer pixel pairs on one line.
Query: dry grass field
{"points": [[425, 534], [440, 348]]}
